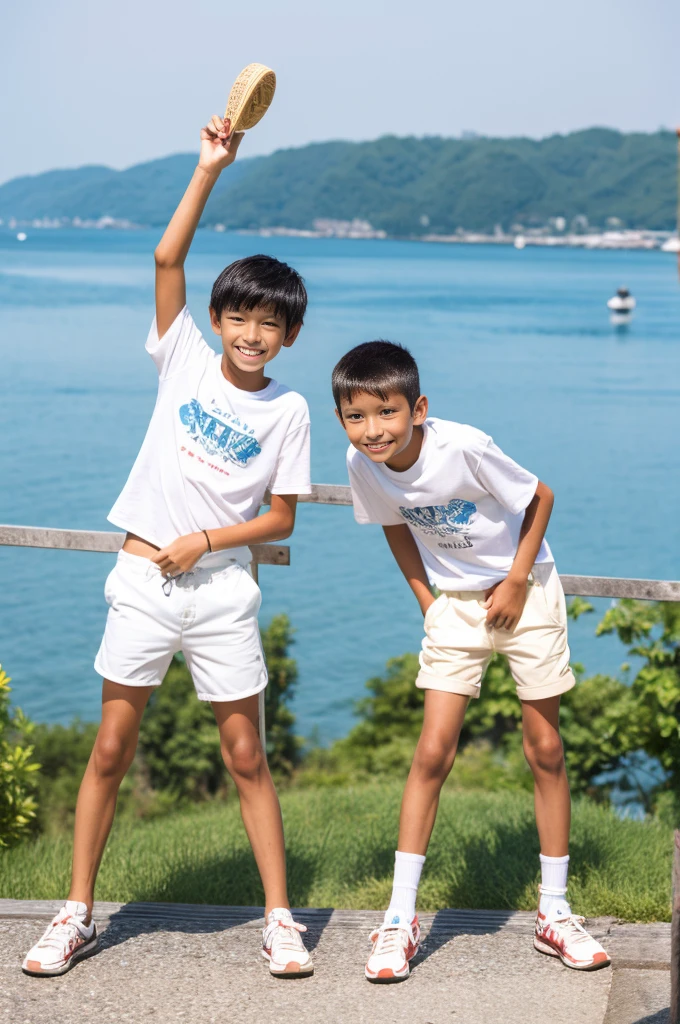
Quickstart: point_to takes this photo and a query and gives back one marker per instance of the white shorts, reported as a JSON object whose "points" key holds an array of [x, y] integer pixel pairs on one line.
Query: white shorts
{"points": [[458, 643], [210, 615]]}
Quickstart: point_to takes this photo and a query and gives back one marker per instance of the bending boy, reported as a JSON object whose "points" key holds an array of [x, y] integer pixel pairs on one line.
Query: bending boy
{"points": [[221, 434], [460, 515]]}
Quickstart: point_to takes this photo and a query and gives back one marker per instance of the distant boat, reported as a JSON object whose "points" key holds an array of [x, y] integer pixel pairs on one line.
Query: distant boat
{"points": [[621, 303], [671, 245], [520, 242]]}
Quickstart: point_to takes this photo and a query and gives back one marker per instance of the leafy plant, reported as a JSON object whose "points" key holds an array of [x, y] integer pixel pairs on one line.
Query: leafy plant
{"points": [[17, 770], [649, 720]]}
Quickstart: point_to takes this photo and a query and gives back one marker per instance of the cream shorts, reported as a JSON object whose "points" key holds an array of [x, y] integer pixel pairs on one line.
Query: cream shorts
{"points": [[210, 615], [458, 643]]}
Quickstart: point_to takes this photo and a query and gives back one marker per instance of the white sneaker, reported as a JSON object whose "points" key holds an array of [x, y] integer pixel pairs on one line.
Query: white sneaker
{"points": [[395, 944], [67, 940], [283, 947], [561, 933]]}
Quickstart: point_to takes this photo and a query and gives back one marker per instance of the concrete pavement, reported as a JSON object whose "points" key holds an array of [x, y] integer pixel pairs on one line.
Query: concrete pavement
{"points": [[198, 965]]}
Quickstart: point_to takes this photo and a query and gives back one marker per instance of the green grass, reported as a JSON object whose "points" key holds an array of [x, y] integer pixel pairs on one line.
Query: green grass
{"points": [[484, 854]]}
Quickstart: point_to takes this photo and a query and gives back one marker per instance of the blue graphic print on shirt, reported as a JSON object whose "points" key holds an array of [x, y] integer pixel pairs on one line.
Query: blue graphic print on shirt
{"points": [[217, 437], [442, 520]]}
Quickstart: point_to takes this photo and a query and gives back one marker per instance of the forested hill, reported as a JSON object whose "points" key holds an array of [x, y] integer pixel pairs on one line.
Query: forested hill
{"points": [[405, 186], [144, 194]]}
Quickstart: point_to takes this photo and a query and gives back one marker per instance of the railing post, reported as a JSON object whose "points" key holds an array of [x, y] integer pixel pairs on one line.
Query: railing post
{"points": [[260, 697], [675, 933]]}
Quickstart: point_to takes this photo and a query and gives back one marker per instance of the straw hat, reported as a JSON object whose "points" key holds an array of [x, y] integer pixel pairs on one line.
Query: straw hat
{"points": [[250, 97]]}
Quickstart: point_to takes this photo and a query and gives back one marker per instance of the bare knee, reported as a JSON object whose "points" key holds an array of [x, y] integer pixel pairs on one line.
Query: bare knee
{"points": [[545, 754], [433, 759], [244, 760], [112, 755]]}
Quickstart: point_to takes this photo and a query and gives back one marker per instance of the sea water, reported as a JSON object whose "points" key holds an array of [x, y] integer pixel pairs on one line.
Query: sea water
{"points": [[516, 343]]}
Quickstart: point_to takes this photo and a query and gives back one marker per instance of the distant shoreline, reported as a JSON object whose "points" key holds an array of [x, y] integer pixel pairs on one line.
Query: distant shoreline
{"points": [[638, 240]]}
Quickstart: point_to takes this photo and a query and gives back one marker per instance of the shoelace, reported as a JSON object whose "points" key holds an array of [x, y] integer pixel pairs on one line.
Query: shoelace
{"points": [[288, 933], [61, 927], [573, 926], [387, 940]]}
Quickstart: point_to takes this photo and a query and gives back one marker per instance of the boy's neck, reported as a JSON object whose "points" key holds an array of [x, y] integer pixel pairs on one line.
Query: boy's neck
{"points": [[409, 455], [242, 379]]}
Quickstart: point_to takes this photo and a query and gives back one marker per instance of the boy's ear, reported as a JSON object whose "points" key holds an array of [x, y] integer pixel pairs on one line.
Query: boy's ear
{"points": [[420, 411], [215, 321], [292, 335]]}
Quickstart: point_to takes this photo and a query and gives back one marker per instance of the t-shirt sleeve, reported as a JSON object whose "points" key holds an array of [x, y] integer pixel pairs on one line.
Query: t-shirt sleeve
{"points": [[293, 474], [179, 346], [369, 502], [509, 483]]}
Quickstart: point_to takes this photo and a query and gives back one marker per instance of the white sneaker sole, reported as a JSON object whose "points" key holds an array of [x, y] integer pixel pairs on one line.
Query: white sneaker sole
{"points": [[82, 953], [290, 970], [544, 947]]}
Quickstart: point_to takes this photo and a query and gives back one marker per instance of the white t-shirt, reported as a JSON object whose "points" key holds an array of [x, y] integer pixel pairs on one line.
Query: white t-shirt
{"points": [[463, 501], [211, 450]]}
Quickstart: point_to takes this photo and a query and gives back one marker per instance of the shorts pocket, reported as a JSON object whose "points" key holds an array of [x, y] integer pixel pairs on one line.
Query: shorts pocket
{"points": [[253, 594], [109, 586], [553, 599], [434, 611]]}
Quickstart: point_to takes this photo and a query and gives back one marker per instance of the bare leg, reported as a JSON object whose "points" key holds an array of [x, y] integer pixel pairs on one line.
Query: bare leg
{"points": [[112, 754], [243, 755], [543, 751], [432, 762]]}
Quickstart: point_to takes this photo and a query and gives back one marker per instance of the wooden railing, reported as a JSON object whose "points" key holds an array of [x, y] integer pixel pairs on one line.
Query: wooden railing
{"points": [[279, 554]]}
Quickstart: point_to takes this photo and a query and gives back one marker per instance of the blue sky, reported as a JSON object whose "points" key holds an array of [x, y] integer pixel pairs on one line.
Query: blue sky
{"points": [[118, 83]]}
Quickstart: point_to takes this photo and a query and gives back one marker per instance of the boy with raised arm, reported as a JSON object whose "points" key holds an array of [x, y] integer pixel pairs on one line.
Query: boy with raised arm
{"points": [[221, 434], [461, 516]]}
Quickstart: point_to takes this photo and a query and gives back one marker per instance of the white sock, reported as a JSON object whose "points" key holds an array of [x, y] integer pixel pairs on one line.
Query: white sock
{"points": [[407, 868], [554, 872], [78, 910]]}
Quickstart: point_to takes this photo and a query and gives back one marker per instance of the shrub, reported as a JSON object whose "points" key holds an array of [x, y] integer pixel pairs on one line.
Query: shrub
{"points": [[63, 752], [17, 770], [283, 746]]}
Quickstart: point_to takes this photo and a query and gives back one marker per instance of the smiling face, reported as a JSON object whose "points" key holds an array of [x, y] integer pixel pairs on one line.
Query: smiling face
{"points": [[384, 429], [250, 340]]}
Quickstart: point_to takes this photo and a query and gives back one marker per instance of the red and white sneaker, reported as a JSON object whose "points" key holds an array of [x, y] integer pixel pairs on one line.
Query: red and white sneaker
{"points": [[67, 940], [395, 944], [283, 947], [562, 934]]}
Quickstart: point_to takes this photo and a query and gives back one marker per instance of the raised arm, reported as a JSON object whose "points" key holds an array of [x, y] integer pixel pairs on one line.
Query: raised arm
{"points": [[218, 150], [406, 554]]}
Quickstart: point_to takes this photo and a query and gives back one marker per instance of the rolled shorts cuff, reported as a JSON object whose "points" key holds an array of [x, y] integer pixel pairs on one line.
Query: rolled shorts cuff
{"points": [[213, 698], [429, 681], [562, 685]]}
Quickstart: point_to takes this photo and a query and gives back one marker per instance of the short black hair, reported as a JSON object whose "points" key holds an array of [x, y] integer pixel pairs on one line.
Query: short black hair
{"points": [[379, 368], [261, 281]]}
